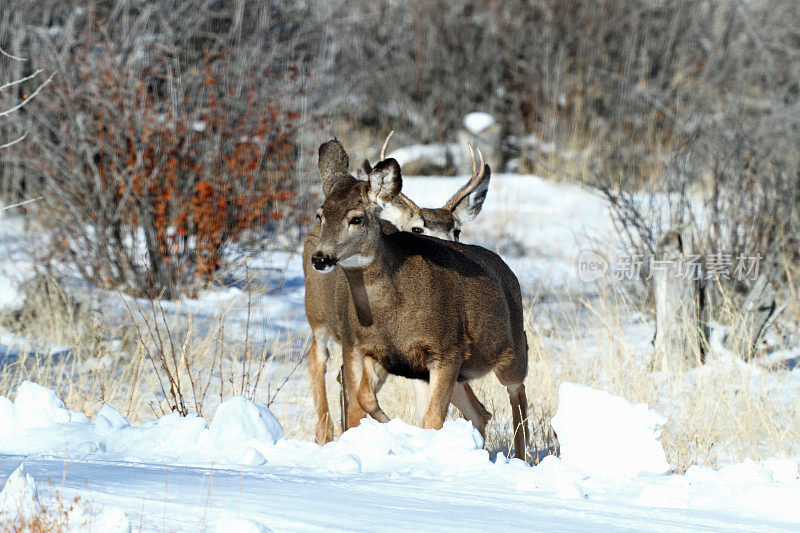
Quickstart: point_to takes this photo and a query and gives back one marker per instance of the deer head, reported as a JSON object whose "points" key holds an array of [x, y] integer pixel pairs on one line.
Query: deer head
{"points": [[350, 216], [444, 222]]}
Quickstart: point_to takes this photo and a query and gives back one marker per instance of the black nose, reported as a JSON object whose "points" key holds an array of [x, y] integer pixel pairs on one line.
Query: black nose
{"points": [[321, 261]]}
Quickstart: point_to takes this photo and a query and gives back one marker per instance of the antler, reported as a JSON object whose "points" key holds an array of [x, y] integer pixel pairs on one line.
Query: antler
{"points": [[408, 201], [385, 144], [473, 182], [400, 196]]}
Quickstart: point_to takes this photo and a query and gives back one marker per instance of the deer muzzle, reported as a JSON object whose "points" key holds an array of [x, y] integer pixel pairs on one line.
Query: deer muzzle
{"points": [[322, 261]]}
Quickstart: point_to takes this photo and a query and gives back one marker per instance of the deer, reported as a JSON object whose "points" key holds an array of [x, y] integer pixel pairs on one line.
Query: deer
{"points": [[415, 305], [404, 215]]}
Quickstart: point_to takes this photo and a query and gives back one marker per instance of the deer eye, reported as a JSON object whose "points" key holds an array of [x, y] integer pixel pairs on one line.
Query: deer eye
{"points": [[416, 230], [355, 220], [456, 233]]}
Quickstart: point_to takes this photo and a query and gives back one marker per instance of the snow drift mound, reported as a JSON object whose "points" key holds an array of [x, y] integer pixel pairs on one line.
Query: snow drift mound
{"points": [[37, 422], [19, 499], [398, 445], [606, 435], [21, 510], [242, 432]]}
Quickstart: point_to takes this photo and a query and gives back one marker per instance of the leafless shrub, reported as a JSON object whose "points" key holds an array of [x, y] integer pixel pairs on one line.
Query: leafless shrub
{"points": [[148, 182]]}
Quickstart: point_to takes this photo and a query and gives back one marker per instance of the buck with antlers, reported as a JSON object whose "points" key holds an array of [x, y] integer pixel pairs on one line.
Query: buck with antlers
{"points": [[417, 306], [405, 215]]}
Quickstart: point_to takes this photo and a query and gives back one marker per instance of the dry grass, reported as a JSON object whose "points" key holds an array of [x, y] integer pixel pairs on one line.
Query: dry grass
{"points": [[114, 357], [58, 518], [724, 411]]}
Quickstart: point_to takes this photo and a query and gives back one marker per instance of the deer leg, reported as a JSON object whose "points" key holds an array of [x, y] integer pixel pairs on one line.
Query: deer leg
{"points": [[519, 408], [371, 380], [317, 361], [422, 397], [512, 376], [443, 377], [353, 368], [464, 398]]}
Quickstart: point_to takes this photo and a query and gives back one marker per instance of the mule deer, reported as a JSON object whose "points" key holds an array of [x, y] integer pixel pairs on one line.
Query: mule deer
{"points": [[445, 223], [418, 306]]}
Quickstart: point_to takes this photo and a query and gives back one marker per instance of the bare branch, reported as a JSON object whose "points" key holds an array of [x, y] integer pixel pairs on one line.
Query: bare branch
{"points": [[29, 98], [20, 204], [11, 56], [21, 80], [15, 141]]}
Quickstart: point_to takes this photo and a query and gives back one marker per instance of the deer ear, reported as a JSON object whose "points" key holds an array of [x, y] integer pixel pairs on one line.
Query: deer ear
{"points": [[385, 182], [362, 174], [333, 164], [469, 206]]}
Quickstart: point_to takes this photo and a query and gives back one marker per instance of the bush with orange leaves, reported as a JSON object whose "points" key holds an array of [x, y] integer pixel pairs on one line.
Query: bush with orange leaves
{"points": [[149, 174]]}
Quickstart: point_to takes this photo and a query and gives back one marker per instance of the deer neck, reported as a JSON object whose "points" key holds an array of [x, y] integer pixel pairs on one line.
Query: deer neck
{"points": [[374, 277]]}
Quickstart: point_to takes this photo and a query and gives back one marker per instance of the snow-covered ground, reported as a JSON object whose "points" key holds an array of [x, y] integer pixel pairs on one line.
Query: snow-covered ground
{"points": [[185, 475], [237, 470]]}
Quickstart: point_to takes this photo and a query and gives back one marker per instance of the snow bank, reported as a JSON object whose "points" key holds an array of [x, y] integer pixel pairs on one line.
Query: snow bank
{"points": [[747, 488], [37, 422], [607, 445], [241, 432], [606, 435], [398, 446]]}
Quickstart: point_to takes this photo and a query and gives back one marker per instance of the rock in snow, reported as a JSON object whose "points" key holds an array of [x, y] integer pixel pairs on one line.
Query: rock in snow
{"points": [[606, 435], [37, 422], [239, 426]]}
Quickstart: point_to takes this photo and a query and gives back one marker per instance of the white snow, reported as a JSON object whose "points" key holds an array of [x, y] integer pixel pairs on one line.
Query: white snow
{"points": [[111, 520], [478, 122], [19, 499], [606, 435], [239, 425], [375, 474], [240, 525], [36, 406], [432, 154], [20, 508], [38, 423]]}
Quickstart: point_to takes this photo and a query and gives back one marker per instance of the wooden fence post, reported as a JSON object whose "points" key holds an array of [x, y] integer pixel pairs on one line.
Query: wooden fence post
{"points": [[678, 343]]}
